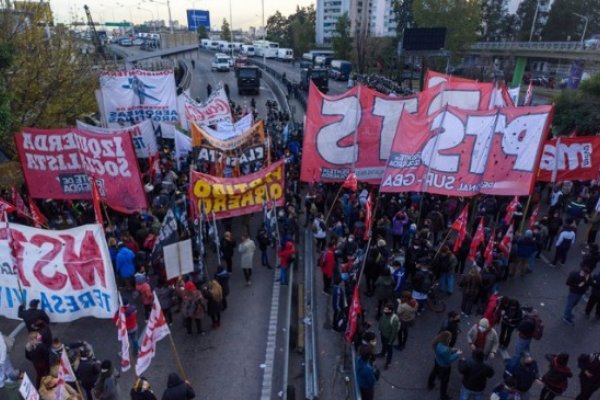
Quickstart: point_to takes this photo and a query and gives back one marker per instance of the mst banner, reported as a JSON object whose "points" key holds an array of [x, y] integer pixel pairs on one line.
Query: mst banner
{"points": [[214, 110], [570, 159], [356, 129], [130, 97], [205, 136], [231, 197], [142, 135], [462, 153], [69, 271], [58, 163]]}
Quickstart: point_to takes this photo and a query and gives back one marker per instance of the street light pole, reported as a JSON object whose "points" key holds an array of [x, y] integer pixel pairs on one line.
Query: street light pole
{"points": [[584, 26], [264, 32], [537, 8], [230, 29], [151, 13], [170, 18]]}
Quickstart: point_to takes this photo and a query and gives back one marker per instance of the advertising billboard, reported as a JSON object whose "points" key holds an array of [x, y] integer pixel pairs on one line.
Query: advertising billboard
{"points": [[196, 18]]}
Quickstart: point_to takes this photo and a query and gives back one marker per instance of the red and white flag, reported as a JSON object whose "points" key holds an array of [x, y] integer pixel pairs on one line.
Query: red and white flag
{"points": [[529, 94], [488, 254], [350, 182], [153, 165], [368, 218], [65, 374], [36, 214], [478, 238], [6, 207], [460, 225], [18, 202], [506, 242], [156, 329], [96, 199], [123, 338], [510, 210], [533, 218], [353, 313]]}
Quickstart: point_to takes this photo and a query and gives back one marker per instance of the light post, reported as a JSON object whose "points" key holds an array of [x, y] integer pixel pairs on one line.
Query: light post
{"points": [[231, 29], [168, 4], [537, 8], [584, 26], [264, 31]]}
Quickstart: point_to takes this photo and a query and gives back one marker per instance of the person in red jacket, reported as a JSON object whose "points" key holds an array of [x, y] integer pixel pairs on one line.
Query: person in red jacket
{"points": [[130, 323], [286, 256], [327, 265], [145, 291]]}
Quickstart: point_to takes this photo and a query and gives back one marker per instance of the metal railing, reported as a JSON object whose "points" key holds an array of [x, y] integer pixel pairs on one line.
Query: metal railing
{"points": [[311, 373], [533, 46]]}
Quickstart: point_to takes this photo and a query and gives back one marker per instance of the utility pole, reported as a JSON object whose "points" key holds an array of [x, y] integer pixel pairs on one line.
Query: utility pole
{"points": [[537, 7]]}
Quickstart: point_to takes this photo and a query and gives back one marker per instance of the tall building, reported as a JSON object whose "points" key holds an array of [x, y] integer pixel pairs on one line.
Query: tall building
{"points": [[382, 18]]}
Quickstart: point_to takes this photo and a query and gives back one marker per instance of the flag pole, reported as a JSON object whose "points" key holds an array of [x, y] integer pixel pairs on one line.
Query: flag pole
{"points": [[176, 354], [21, 297], [334, 202], [522, 226], [364, 261]]}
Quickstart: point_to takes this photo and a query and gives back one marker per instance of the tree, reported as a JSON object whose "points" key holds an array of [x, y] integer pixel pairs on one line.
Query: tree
{"points": [[342, 41], [563, 24], [578, 109], [225, 30], [6, 120], [462, 18], [404, 16], [297, 31], [493, 18], [202, 33], [526, 13], [278, 29], [49, 81]]}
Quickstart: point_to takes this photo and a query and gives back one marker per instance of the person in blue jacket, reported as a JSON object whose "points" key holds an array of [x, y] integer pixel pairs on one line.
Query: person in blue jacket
{"points": [[444, 357], [125, 265], [366, 373]]}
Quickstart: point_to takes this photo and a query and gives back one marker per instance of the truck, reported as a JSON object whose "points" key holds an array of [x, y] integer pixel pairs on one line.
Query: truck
{"points": [[248, 79], [248, 50], [286, 55], [340, 70], [318, 75]]}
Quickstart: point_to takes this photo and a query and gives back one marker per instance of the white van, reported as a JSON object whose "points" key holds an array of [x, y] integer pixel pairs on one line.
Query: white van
{"points": [[220, 63], [225, 47], [248, 50], [213, 45], [285, 54], [204, 43]]}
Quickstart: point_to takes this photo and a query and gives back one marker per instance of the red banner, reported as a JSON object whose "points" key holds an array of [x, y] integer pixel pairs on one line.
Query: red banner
{"points": [[58, 163], [231, 197], [570, 158], [463, 153], [355, 130]]}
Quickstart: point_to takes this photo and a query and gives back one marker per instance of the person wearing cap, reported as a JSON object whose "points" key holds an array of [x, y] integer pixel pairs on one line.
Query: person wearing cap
{"points": [[578, 283], [33, 315], [125, 265], [142, 390], [193, 307], [483, 337], [178, 389], [106, 387]]}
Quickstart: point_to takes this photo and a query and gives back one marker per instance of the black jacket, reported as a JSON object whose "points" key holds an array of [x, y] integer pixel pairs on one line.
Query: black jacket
{"points": [[88, 372], [177, 389], [142, 395], [475, 374], [32, 316], [575, 280]]}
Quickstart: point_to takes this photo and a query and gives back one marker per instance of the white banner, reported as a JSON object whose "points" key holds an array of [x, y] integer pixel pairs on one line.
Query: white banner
{"points": [[156, 329], [69, 271], [178, 259], [27, 389], [227, 130], [214, 110], [142, 135], [514, 94], [183, 145], [130, 97]]}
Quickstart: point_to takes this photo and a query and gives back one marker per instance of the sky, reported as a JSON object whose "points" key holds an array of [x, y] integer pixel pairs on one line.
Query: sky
{"points": [[245, 13]]}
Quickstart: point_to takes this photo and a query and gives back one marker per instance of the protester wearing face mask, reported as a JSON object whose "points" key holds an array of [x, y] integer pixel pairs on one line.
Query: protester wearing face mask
{"points": [[482, 337]]}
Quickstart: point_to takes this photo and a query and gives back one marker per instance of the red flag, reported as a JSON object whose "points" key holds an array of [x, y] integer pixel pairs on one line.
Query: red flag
{"points": [[123, 338], [460, 225], [37, 216], [477, 240], [529, 94], [506, 242], [156, 329], [353, 313], [6, 207], [65, 374], [350, 182], [368, 219], [96, 201], [533, 218], [510, 210], [18, 202], [153, 165], [488, 254]]}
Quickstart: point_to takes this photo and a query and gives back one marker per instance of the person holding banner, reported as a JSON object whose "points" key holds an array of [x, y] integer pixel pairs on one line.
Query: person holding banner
{"points": [[39, 354]]}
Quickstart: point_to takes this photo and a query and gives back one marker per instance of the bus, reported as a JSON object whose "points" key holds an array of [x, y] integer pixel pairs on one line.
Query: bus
{"points": [[266, 49], [311, 55]]}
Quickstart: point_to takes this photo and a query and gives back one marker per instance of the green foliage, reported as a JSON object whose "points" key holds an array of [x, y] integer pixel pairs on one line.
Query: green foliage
{"points": [[225, 30], [462, 18], [6, 122], [404, 15], [297, 31], [578, 109], [342, 41], [525, 14], [202, 33], [493, 15], [563, 24]]}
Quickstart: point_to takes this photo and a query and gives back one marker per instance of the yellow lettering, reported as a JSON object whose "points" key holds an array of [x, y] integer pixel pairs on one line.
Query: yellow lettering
{"points": [[259, 194], [247, 199], [219, 204], [229, 189], [207, 205], [201, 189], [241, 187], [218, 190], [275, 191], [234, 202], [255, 183]]}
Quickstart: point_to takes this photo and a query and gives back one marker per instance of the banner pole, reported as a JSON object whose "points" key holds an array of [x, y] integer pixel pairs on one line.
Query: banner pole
{"points": [[12, 255], [522, 226], [334, 202], [364, 261], [177, 359]]}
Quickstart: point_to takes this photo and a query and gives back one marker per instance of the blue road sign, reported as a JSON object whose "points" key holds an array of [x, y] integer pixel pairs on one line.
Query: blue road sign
{"points": [[196, 18]]}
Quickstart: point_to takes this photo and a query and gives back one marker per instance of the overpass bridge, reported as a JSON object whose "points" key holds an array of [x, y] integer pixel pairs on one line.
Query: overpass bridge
{"points": [[518, 54]]}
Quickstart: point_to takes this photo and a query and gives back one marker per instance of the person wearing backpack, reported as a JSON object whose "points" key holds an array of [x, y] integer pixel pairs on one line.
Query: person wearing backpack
{"points": [[565, 239], [389, 325], [578, 283]]}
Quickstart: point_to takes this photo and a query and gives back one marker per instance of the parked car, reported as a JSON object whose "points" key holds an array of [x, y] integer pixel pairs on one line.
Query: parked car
{"points": [[125, 42], [592, 43], [138, 42]]}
